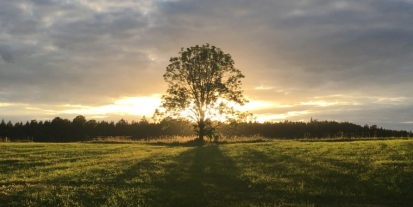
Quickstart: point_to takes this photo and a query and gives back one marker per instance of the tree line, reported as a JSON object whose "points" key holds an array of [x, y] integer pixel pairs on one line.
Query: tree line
{"points": [[80, 129], [313, 130]]}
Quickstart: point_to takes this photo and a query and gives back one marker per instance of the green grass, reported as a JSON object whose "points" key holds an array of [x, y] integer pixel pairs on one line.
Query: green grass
{"points": [[278, 173]]}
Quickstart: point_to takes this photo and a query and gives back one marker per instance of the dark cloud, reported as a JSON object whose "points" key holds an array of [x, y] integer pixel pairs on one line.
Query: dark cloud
{"points": [[6, 53]]}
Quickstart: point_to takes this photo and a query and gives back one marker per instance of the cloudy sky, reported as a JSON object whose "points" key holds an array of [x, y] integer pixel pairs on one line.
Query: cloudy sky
{"points": [[104, 59]]}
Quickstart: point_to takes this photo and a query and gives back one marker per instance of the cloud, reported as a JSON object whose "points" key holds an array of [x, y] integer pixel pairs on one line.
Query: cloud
{"points": [[94, 53], [6, 54]]}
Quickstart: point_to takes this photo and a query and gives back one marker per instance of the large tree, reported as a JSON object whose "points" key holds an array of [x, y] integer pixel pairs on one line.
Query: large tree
{"points": [[203, 85]]}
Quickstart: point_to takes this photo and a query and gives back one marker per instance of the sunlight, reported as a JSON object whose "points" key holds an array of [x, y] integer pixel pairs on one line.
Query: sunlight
{"points": [[144, 105], [261, 87], [256, 105], [5, 104], [214, 114], [318, 103], [280, 117]]}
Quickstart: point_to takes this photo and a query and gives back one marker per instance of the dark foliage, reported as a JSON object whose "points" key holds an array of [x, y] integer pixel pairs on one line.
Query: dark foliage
{"points": [[80, 129], [64, 130], [311, 130], [202, 80]]}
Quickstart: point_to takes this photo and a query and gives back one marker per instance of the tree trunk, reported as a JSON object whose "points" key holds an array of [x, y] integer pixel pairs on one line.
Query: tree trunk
{"points": [[201, 126]]}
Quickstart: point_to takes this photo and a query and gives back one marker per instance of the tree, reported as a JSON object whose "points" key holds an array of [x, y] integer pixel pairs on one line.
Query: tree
{"points": [[90, 128], [202, 85], [78, 125], [60, 130], [122, 127]]}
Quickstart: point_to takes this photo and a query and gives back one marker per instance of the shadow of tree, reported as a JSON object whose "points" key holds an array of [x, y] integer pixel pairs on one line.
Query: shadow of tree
{"points": [[201, 176], [209, 176]]}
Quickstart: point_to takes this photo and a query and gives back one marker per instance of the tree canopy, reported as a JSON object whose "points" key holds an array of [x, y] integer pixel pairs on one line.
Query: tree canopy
{"points": [[203, 85]]}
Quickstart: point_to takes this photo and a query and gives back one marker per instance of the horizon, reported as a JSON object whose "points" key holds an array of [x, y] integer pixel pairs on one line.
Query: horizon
{"points": [[344, 61], [150, 120]]}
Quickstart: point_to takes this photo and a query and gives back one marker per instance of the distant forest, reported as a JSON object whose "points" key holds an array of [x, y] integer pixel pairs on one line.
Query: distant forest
{"points": [[80, 129]]}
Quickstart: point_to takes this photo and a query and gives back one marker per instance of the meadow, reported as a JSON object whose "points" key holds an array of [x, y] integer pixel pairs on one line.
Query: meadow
{"points": [[272, 173]]}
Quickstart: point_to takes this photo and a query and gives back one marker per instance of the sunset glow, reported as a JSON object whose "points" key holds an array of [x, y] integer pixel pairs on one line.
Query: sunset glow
{"points": [[142, 106]]}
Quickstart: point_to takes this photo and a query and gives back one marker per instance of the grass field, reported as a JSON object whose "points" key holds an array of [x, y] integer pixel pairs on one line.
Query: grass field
{"points": [[278, 173]]}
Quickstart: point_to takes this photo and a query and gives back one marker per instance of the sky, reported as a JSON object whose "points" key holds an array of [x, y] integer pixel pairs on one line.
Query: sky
{"points": [[346, 60]]}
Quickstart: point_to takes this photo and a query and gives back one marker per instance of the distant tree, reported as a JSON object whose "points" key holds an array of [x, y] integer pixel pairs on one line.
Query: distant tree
{"points": [[144, 121], [79, 129], [202, 81], [79, 120], [90, 128], [9, 130], [143, 128], [60, 130], [122, 127], [33, 131], [3, 128]]}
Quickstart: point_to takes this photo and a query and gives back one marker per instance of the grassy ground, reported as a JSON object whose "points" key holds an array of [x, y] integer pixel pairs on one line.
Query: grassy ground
{"points": [[278, 173]]}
